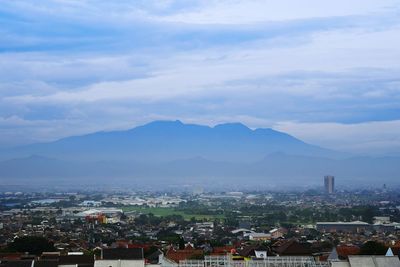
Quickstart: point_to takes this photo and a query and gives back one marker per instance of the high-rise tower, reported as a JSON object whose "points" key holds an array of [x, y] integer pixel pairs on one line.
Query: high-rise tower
{"points": [[329, 182]]}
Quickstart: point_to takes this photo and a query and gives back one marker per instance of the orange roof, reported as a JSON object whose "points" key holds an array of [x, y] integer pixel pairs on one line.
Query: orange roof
{"points": [[222, 250], [134, 245], [122, 243], [183, 254], [346, 250], [188, 247], [323, 257], [397, 244], [11, 255]]}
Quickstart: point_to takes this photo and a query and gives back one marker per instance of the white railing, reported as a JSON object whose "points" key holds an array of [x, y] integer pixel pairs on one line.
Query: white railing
{"points": [[226, 261]]}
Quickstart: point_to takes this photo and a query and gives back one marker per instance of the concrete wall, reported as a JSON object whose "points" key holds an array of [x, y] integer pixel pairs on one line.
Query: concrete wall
{"points": [[119, 263], [340, 264], [387, 261], [374, 261]]}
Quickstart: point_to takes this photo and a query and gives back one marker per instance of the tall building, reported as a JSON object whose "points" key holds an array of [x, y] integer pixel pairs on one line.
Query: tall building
{"points": [[329, 184]]}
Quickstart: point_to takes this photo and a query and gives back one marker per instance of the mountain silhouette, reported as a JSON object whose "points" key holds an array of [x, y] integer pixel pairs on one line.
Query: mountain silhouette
{"points": [[172, 140], [171, 153]]}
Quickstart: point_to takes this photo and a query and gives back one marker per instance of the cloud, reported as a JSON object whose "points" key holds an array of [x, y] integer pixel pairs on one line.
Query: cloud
{"points": [[96, 65], [375, 137], [255, 11]]}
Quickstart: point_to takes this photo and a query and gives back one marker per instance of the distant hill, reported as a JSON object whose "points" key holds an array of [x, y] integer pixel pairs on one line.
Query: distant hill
{"points": [[172, 140], [166, 153]]}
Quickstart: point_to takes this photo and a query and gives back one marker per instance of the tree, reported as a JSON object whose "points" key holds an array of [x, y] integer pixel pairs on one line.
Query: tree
{"points": [[367, 213], [373, 248], [150, 251], [32, 244], [181, 243]]}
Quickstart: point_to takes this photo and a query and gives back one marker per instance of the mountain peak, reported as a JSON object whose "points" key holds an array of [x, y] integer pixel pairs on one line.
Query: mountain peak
{"points": [[164, 123], [234, 126], [169, 140]]}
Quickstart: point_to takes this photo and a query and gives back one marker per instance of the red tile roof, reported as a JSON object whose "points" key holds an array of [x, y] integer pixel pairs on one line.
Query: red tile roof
{"points": [[346, 250], [397, 244], [292, 247], [222, 250], [183, 254], [11, 256]]}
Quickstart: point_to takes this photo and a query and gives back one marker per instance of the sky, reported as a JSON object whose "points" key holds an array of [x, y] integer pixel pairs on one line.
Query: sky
{"points": [[327, 72]]}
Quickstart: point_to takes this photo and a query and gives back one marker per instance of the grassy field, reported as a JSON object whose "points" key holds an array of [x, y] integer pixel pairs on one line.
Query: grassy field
{"points": [[171, 211]]}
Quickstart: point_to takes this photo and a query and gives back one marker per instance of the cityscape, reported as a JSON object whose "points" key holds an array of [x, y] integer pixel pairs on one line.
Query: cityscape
{"points": [[199, 133], [323, 226]]}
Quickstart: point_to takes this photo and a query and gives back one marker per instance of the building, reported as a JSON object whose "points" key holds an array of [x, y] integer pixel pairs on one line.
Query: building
{"points": [[291, 247], [329, 182], [381, 219], [277, 233], [259, 236], [368, 261], [177, 255], [354, 227], [121, 257], [53, 260]]}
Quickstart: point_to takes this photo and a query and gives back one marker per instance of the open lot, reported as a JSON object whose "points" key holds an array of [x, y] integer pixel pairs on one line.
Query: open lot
{"points": [[171, 211]]}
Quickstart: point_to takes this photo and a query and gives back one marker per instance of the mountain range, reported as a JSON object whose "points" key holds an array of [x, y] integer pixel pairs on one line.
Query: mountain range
{"points": [[171, 152]]}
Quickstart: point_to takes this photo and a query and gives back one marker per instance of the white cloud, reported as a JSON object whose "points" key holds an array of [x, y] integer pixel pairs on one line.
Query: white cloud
{"points": [[209, 72], [376, 137], [255, 11], [112, 65]]}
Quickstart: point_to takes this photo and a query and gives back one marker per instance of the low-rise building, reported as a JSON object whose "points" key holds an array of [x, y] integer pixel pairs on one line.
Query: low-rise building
{"points": [[356, 226]]}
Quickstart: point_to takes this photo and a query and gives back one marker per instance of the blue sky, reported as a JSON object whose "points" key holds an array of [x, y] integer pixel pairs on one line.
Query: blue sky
{"points": [[327, 72]]}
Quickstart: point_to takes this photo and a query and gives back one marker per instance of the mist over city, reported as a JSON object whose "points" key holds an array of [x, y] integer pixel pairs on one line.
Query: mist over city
{"points": [[187, 133]]}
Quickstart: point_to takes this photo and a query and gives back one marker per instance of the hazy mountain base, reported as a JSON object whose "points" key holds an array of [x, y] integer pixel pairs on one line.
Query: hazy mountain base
{"points": [[273, 170], [163, 141]]}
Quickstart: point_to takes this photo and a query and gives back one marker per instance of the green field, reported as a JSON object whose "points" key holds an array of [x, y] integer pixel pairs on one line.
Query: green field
{"points": [[171, 211]]}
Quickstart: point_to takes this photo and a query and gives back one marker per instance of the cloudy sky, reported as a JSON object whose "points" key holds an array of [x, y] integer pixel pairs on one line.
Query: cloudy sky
{"points": [[327, 72]]}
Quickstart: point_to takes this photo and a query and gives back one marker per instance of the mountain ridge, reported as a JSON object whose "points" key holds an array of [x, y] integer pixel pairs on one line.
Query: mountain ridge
{"points": [[163, 153], [167, 140]]}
